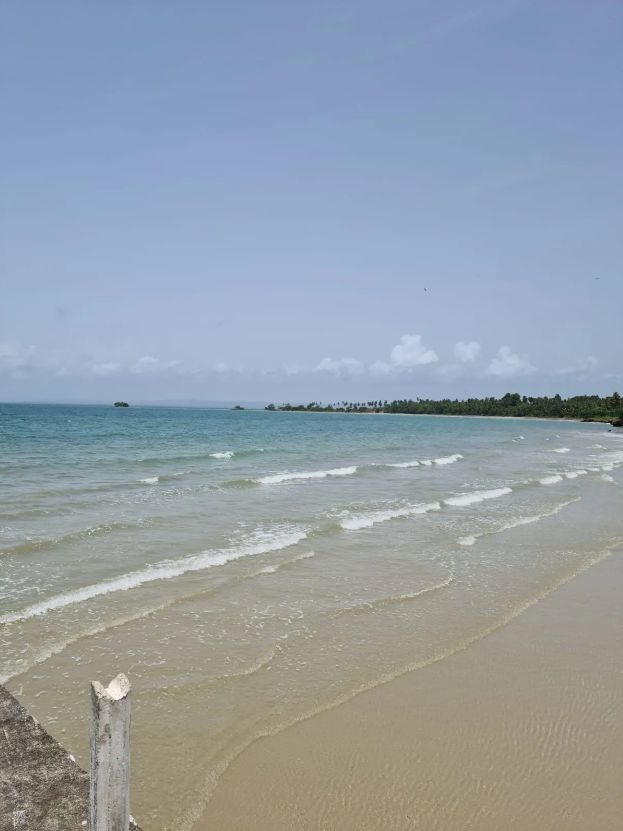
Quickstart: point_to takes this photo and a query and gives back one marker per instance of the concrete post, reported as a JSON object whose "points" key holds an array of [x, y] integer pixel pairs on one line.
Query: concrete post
{"points": [[109, 798]]}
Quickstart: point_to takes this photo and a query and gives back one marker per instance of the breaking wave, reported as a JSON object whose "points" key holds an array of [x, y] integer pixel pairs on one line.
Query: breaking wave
{"points": [[448, 460], [367, 520], [464, 499], [516, 523], [277, 478], [551, 480], [307, 555], [442, 460], [165, 570], [393, 599]]}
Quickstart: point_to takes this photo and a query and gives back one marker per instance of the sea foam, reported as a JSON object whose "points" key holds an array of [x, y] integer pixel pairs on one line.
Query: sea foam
{"points": [[573, 474], [276, 478], [358, 521], [393, 599], [165, 570], [448, 460], [551, 480], [442, 460], [515, 523], [464, 499], [224, 454]]}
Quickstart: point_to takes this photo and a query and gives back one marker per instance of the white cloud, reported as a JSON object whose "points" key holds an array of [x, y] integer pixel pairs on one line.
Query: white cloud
{"points": [[15, 358], [411, 352], [580, 367], [467, 352], [148, 365], [344, 366], [507, 364], [381, 368], [105, 368], [293, 369], [328, 365], [352, 366]]}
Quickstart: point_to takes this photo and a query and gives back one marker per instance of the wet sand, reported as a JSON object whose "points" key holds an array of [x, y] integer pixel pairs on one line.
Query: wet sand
{"points": [[523, 731]]}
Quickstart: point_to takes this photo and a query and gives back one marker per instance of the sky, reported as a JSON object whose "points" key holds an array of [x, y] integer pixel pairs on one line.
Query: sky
{"points": [[292, 201]]}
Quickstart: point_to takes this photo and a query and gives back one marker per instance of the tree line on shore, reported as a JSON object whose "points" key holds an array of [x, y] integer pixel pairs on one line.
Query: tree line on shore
{"points": [[608, 409]]}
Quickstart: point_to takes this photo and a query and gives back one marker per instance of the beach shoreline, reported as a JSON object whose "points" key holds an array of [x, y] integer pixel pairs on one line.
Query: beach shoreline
{"points": [[539, 694], [553, 419], [247, 581]]}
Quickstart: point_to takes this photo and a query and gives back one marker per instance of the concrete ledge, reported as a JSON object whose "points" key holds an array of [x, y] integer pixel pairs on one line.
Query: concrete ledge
{"points": [[41, 786]]}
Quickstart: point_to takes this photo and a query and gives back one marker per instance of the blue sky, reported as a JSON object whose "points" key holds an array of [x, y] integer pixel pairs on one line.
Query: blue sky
{"points": [[285, 201]]}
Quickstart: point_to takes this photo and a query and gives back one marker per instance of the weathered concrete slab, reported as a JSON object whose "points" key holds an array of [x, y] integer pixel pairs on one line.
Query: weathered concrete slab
{"points": [[41, 786]]}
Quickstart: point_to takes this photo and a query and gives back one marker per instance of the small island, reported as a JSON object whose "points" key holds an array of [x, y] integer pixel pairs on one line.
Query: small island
{"points": [[237, 407], [121, 404]]}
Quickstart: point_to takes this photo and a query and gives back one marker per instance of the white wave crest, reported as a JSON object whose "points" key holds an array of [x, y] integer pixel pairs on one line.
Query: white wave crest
{"points": [[276, 478], [464, 499], [358, 521], [224, 454], [165, 570], [150, 480], [573, 474], [551, 480], [561, 450], [515, 523], [448, 460], [610, 459], [391, 600], [529, 520], [442, 460], [272, 569], [607, 478]]}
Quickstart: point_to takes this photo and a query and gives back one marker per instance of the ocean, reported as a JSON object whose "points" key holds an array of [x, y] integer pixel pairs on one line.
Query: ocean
{"points": [[247, 569]]}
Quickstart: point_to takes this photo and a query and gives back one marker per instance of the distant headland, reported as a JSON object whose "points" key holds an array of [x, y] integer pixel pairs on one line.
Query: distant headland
{"points": [[608, 409]]}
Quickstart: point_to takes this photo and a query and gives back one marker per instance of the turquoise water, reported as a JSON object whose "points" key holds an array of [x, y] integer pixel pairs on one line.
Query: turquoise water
{"points": [[247, 569]]}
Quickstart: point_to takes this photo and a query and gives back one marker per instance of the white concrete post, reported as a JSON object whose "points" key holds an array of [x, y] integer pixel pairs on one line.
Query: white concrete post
{"points": [[109, 798]]}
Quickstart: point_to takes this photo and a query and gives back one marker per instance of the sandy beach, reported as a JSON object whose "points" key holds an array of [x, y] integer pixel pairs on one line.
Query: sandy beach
{"points": [[523, 730]]}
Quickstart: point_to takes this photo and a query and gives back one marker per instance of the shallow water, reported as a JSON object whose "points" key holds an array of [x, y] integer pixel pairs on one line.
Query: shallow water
{"points": [[248, 569]]}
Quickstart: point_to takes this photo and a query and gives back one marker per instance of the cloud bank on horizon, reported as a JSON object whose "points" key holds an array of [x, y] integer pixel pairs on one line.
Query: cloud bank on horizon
{"points": [[410, 361], [290, 201]]}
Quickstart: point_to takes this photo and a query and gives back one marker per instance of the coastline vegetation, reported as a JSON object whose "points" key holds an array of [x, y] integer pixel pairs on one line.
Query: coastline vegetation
{"points": [[608, 409]]}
